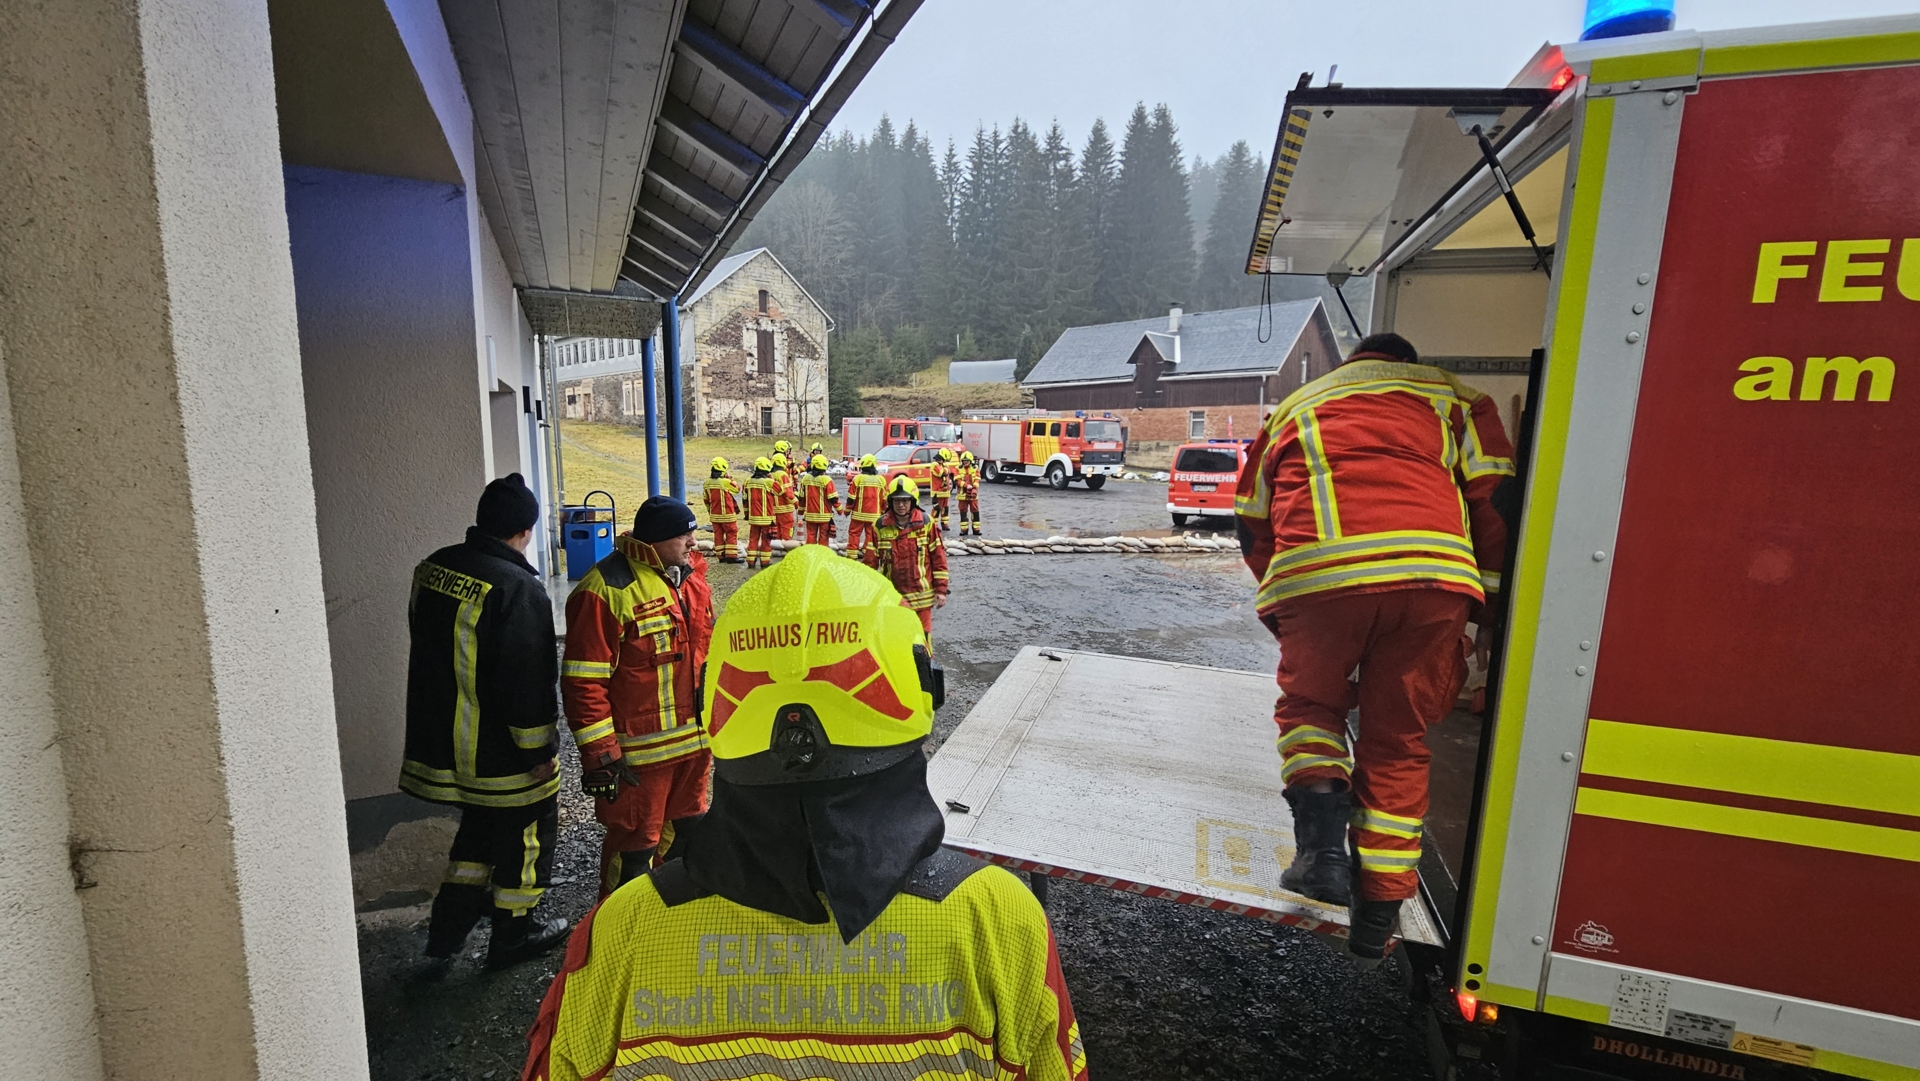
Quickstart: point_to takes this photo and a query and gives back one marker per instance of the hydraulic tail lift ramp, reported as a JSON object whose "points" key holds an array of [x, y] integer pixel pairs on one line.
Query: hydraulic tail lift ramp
{"points": [[1695, 838], [1139, 775]]}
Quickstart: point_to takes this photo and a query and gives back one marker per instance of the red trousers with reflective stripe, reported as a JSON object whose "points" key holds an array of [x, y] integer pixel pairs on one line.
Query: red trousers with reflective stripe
{"points": [[857, 533], [1406, 644], [667, 792], [819, 532], [783, 524], [726, 540], [760, 543]]}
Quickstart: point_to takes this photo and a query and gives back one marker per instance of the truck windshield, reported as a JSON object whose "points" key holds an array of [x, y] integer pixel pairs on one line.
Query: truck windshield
{"points": [[940, 433], [1208, 460], [893, 452], [1105, 431]]}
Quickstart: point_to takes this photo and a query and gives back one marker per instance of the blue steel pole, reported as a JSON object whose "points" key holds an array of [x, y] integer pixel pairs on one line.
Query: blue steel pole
{"points": [[676, 424], [652, 419]]}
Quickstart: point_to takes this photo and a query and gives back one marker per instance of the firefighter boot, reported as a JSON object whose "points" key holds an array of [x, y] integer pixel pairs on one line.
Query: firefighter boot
{"points": [[522, 938], [1321, 869], [1370, 925], [456, 909]]}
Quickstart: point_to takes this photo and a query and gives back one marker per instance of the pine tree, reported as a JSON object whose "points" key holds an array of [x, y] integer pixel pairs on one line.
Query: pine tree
{"points": [[1153, 255], [1222, 281], [1098, 181], [1203, 190]]}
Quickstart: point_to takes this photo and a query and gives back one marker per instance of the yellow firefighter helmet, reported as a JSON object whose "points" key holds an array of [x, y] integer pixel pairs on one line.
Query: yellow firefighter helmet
{"points": [[819, 462], [966, 456], [868, 461], [781, 446], [719, 465], [763, 465], [817, 672], [903, 486], [817, 449], [946, 454], [779, 459]]}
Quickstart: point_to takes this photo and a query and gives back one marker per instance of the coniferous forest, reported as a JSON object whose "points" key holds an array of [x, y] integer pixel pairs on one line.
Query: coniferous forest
{"points": [[993, 249]]}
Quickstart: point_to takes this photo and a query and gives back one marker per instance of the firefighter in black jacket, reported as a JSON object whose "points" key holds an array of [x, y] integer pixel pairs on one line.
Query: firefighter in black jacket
{"points": [[482, 699]]}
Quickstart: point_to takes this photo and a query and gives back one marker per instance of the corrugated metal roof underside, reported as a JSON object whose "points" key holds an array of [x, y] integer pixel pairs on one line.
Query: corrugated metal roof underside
{"points": [[631, 138], [1224, 343]]}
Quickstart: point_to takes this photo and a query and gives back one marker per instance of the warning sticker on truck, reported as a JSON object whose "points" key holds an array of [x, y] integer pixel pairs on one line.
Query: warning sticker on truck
{"points": [[1779, 1050], [1640, 1003]]}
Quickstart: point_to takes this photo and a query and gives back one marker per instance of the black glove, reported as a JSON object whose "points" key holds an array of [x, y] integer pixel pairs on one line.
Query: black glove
{"points": [[604, 783]]}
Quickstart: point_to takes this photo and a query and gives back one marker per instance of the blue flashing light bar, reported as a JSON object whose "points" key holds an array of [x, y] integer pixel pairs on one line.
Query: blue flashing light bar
{"points": [[1619, 18]]}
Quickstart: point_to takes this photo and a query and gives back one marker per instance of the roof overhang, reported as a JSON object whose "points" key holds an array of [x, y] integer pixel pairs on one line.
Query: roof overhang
{"points": [[634, 141], [1355, 171], [625, 313]]}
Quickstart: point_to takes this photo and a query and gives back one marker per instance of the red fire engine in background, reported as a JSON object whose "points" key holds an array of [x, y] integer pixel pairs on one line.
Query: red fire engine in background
{"points": [[1030, 444], [1203, 479]]}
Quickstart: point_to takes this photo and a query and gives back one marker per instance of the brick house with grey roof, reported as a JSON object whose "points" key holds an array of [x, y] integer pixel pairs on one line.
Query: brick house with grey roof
{"points": [[1200, 375]]}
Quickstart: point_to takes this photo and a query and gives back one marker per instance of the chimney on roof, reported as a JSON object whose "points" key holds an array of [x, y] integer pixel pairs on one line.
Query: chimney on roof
{"points": [[1173, 318]]}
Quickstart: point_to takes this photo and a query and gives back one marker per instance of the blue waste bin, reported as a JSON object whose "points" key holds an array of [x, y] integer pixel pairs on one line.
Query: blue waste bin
{"points": [[587, 532]]}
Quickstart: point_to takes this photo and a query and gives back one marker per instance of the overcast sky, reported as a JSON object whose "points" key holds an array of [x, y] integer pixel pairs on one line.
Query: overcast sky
{"points": [[1223, 65]]}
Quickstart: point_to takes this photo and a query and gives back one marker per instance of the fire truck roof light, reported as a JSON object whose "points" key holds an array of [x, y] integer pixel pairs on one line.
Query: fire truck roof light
{"points": [[1620, 18]]}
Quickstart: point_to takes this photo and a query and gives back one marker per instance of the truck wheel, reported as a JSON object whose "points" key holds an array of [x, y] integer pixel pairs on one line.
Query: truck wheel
{"points": [[1179, 520], [991, 473], [1094, 484], [1057, 477]]}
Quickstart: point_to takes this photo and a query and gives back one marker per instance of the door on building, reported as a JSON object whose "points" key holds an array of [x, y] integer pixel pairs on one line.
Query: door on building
{"points": [[766, 420]]}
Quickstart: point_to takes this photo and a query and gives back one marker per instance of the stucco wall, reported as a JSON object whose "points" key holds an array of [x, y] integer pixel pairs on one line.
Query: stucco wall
{"points": [[147, 312], [46, 995], [387, 335], [722, 329]]}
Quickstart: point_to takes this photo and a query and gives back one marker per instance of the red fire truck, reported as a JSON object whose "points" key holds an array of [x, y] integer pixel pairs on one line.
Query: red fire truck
{"points": [[1030, 444]]}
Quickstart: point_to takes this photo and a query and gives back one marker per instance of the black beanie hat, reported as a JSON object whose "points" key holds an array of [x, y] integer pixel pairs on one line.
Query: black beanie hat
{"points": [[507, 508], [662, 517]]}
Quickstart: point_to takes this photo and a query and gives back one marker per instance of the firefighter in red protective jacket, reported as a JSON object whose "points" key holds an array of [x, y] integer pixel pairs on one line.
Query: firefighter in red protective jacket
{"points": [[940, 487], [866, 501], [723, 510], [638, 626], [812, 926], [966, 482], [786, 500], [1367, 514], [763, 495], [822, 501], [906, 548]]}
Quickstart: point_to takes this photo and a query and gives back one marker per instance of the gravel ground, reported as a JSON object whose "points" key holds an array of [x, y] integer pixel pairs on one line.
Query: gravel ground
{"points": [[1162, 990]]}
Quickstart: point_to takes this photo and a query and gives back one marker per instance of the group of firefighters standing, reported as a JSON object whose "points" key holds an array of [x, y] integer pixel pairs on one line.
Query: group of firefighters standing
{"points": [[764, 770]]}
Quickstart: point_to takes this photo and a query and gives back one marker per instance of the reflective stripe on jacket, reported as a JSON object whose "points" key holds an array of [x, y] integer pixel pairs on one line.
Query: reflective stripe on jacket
{"points": [[866, 496], [939, 479], [635, 644], [723, 499], [968, 481], [1377, 475], [823, 499], [785, 495], [914, 556], [761, 500], [481, 702], [962, 989]]}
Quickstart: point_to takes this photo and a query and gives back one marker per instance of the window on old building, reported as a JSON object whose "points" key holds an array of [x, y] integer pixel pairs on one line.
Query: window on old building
{"points": [[766, 420], [766, 352], [1196, 424], [765, 302]]}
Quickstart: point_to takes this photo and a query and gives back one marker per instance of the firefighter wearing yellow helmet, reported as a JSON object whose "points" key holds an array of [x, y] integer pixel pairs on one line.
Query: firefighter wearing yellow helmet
{"points": [[723, 510], [940, 477], [820, 501], [813, 925], [786, 496], [966, 483], [762, 498], [866, 499], [906, 548]]}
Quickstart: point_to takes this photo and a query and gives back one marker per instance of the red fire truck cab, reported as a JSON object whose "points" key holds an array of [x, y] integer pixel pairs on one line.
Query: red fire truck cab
{"points": [[1203, 479]]}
